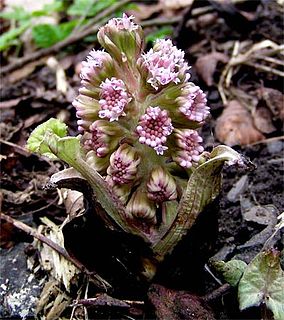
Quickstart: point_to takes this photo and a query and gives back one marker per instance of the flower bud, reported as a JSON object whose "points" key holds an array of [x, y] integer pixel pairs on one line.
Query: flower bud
{"points": [[123, 166], [188, 147], [114, 98], [139, 206], [99, 164], [103, 137], [161, 186], [97, 67], [122, 38], [193, 103]]}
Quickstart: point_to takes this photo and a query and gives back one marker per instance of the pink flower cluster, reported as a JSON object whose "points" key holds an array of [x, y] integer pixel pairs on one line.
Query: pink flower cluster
{"points": [[94, 63], [124, 23], [194, 104], [165, 63], [189, 148], [114, 98], [153, 128]]}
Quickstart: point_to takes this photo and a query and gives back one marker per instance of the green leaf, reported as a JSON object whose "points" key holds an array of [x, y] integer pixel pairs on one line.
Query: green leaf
{"points": [[88, 8], [50, 139], [17, 14], [46, 35], [231, 271], [36, 142], [263, 282], [159, 34], [49, 9], [10, 37], [202, 188]]}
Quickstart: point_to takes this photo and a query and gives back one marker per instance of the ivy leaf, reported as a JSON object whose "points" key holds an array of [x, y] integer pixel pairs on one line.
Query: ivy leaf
{"points": [[36, 142], [231, 271], [46, 35], [262, 282]]}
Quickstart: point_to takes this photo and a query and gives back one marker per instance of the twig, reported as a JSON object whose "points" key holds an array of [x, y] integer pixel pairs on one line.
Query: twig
{"points": [[267, 140], [68, 41], [105, 300], [160, 21], [265, 68], [77, 36], [101, 283], [219, 292], [17, 148]]}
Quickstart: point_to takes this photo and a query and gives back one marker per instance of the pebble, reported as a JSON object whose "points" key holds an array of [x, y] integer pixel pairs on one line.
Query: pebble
{"points": [[239, 188], [275, 147]]}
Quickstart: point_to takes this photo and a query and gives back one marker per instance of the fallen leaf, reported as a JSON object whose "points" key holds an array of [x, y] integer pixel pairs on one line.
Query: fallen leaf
{"points": [[207, 19], [274, 100], [10, 103], [62, 269], [24, 71], [53, 301], [176, 4], [206, 66], [262, 118], [176, 305], [73, 201], [235, 126]]}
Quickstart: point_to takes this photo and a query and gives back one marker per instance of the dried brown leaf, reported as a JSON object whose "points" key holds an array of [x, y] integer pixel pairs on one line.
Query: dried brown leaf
{"points": [[274, 100], [24, 71], [262, 118], [206, 66], [175, 305], [73, 201], [235, 126], [176, 4]]}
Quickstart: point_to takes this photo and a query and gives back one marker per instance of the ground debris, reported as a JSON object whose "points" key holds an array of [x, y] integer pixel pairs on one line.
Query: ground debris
{"points": [[175, 305], [235, 126], [19, 288]]}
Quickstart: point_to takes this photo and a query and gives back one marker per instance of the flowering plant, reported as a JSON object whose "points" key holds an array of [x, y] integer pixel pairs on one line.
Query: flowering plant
{"points": [[139, 148]]}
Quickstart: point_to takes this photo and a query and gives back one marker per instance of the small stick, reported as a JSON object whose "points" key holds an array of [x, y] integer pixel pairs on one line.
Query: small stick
{"points": [[106, 300], [17, 148], [101, 283], [217, 293], [267, 140], [69, 40], [89, 29]]}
